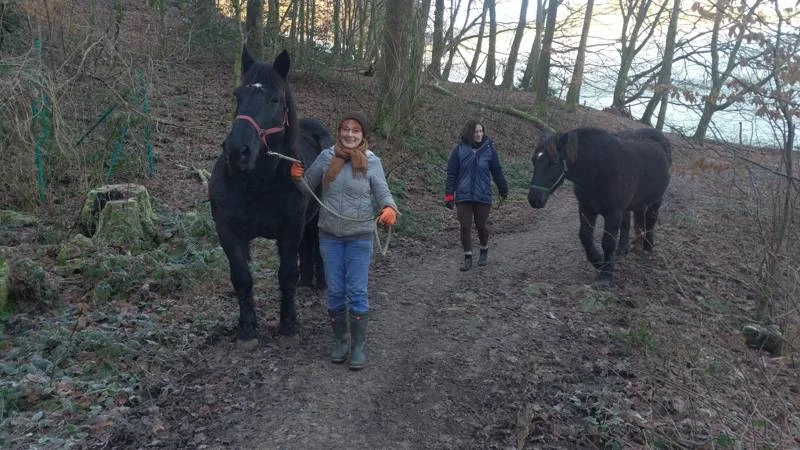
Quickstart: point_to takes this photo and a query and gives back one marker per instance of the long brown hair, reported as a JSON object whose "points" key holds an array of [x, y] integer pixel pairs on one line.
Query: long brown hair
{"points": [[469, 130]]}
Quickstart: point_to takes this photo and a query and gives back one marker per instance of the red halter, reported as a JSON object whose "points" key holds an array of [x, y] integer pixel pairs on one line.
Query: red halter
{"points": [[262, 133]]}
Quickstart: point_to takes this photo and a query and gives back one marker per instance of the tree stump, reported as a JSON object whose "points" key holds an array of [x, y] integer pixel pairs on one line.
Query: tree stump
{"points": [[120, 215]]}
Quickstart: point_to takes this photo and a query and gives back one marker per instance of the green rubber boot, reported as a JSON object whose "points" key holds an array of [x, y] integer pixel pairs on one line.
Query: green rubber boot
{"points": [[339, 324], [467, 264], [358, 335], [483, 258]]}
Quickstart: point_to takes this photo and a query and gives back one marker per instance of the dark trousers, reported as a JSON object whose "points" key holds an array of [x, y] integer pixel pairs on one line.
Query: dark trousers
{"points": [[467, 212]]}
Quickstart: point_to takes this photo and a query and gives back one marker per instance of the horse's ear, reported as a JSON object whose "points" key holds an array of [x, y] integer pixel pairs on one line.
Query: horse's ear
{"points": [[551, 148], [281, 64], [571, 149], [247, 60]]}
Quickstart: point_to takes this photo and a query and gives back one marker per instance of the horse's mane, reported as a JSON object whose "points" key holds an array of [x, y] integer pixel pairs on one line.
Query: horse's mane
{"points": [[264, 74]]}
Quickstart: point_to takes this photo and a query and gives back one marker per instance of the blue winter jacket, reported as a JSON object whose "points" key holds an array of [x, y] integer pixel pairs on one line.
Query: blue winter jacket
{"points": [[469, 170]]}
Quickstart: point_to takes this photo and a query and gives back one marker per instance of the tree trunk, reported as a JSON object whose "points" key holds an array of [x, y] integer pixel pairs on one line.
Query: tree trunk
{"points": [[293, 22], [705, 120], [533, 58], [511, 63], [255, 44], [362, 33], [574, 92], [473, 67], [629, 48], [662, 85], [451, 41], [662, 114], [435, 67], [347, 31], [373, 36], [302, 22], [420, 28], [337, 28], [394, 110], [720, 77], [542, 78], [273, 30], [491, 54]]}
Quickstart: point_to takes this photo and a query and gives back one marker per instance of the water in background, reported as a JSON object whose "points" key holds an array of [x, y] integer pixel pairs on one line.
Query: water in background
{"points": [[732, 125]]}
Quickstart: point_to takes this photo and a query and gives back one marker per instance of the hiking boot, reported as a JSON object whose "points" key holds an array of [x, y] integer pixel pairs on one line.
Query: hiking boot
{"points": [[483, 258], [358, 335], [467, 264], [339, 324]]}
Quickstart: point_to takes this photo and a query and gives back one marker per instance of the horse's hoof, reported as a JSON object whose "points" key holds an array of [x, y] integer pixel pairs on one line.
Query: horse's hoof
{"points": [[291, 340], [247, 345], [645, 257], [604, 280], [288, 330]]}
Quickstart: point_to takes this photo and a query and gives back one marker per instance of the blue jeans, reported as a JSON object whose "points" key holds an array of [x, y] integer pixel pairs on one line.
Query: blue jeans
{"points": [[346, 272]]}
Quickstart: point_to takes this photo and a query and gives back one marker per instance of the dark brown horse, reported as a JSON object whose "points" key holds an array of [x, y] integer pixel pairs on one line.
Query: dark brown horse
{"points": [[252, 194], [614, 174]]}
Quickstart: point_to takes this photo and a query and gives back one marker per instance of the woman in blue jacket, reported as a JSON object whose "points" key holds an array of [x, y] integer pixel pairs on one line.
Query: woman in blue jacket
{"points": [[471, 167]]}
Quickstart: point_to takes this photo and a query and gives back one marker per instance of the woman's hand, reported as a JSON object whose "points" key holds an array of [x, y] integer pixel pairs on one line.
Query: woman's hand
{"points": [[449, 201], [297, 171], [388, 216]]}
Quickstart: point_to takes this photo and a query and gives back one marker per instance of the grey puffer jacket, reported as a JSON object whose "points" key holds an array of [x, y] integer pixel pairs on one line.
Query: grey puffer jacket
{"points": [[357, 198]]}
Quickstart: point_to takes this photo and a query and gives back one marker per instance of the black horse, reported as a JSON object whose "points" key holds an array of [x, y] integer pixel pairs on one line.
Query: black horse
{"points": [[614, 174], [252, 193]]}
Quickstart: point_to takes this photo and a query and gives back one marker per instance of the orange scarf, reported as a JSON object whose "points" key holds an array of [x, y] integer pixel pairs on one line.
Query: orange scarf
{"points": [[357, 156]]}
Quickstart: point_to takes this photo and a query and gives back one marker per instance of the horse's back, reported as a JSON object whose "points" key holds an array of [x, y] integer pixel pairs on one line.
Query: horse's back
{"points": [[629, 168], [649, 136], [650, 154], [314, 137]]}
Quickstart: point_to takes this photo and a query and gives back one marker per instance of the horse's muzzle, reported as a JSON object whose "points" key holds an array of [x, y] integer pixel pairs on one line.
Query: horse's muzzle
{"points": [[537, 198]]}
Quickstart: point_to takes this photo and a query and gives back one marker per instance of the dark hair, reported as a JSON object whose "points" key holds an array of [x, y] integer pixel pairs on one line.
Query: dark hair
{"points": [[469, 130]]}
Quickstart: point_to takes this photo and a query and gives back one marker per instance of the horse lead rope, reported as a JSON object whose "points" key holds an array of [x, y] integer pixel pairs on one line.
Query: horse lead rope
{"points": [[262, 133], [383, 249]]}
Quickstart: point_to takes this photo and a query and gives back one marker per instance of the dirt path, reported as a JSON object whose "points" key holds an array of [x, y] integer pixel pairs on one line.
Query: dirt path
{"points": [[455, 360]]}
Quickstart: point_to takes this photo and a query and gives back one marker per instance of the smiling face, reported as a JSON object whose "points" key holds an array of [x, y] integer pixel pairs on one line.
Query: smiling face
{"points": [[350, 133]]}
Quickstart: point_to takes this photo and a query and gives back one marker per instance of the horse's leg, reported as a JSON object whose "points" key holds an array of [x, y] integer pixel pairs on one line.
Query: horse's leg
{"points": [[238, 251], [638, 229], [319, 267], [586, 235], [650, 219], [288, 246], [624, 244], [609, 243], [307, 256], [311, 259]]}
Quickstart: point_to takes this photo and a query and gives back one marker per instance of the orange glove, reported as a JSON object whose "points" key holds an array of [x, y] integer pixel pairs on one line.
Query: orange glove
{"points": [[388, 216], [297, 171]]}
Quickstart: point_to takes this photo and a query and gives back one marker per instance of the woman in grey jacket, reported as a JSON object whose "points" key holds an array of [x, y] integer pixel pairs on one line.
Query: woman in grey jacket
{"points": [[354, 186]]}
